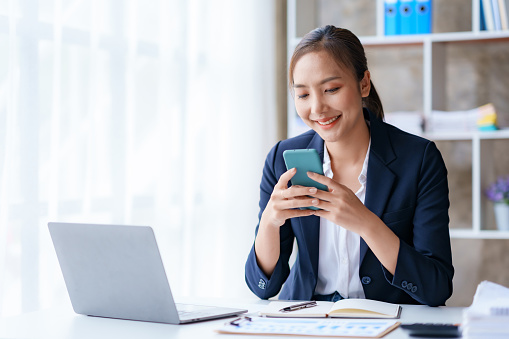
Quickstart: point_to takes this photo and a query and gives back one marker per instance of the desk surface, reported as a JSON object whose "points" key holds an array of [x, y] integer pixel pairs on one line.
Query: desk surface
{"points": [[62, 322]]}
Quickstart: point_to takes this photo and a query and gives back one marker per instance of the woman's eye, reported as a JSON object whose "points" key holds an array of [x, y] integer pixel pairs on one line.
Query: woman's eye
{"points": [[302, 96], [332, 90]]}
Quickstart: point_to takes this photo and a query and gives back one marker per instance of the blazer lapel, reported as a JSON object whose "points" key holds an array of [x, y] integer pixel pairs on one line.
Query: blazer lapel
{"points": [[317, 143], [380, 177]]}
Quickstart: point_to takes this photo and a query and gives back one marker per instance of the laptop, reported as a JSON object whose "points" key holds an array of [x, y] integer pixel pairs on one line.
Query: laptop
{"points": [[116, 271]]}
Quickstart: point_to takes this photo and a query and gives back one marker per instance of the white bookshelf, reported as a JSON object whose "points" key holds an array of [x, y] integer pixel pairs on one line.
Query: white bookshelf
{"points": [[302, 16]]}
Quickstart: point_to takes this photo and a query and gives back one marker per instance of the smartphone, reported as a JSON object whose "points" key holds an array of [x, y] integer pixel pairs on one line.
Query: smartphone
{"points": [[304, 160]]}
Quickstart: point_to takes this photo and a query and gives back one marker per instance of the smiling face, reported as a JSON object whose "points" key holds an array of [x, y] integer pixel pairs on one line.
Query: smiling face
{"points": [[328, 98]]}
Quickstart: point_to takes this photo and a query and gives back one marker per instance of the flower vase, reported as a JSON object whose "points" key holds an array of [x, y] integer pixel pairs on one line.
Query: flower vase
{"points": [[502, 216]]}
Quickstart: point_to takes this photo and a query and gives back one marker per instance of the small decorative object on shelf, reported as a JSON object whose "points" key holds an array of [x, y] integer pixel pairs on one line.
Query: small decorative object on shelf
{"points": [[498, 192], [487, 118]]}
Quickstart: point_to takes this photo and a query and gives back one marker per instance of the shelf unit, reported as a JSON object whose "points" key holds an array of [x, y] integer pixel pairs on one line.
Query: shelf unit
{"points": [[302, 17]]}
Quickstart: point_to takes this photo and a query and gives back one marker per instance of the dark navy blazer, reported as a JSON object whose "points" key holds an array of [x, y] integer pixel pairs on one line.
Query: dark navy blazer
{"points": [[407, 188]]}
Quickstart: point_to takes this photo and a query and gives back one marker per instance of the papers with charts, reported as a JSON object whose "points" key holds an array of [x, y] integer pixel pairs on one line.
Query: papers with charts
{"points": [[310, 327]]}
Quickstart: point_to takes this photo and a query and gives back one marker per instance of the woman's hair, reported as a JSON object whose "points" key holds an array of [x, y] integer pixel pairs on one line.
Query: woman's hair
{"points": [[347, 51]]}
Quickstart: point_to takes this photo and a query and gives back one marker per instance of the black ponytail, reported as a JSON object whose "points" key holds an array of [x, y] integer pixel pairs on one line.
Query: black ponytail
{"points": [[373, 102]]}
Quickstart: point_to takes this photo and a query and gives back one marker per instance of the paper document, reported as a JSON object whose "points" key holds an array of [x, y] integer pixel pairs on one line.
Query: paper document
{"points": [[488, 316]]}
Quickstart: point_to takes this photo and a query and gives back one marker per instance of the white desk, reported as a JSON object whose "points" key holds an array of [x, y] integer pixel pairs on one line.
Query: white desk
{"points": [[62, 322]]}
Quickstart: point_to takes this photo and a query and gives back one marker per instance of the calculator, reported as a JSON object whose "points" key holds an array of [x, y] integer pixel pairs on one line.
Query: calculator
{"points": [[432, 330]]}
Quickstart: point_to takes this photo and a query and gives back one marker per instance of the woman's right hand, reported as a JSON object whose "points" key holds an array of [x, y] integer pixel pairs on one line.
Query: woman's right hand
{"points": [[284, 202]]}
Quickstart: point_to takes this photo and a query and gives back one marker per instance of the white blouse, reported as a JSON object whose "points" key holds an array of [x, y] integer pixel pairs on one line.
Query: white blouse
{"points": [[339, 252]]}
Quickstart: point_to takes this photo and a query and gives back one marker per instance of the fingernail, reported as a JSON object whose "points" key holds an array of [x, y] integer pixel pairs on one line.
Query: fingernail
{"points": [[314, 202], [312, 190]]}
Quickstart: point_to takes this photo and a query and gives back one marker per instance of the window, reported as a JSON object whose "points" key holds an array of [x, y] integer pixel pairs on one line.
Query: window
{"points": [[155, 113]]}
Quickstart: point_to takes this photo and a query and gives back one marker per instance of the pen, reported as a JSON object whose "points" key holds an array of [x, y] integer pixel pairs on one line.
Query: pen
{"points": [[300, 306]]}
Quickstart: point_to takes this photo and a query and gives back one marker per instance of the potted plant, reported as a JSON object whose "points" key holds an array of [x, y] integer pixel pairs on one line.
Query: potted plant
{"points": [[498, 192]]}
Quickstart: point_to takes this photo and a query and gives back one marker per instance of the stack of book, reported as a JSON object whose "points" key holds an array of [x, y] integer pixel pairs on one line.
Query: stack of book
{"points": [[448, 121], [494, 15], [483, 118], [488, 316]]}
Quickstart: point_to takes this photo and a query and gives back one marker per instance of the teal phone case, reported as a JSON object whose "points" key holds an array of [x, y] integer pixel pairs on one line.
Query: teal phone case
{"points": [[304, 160]]}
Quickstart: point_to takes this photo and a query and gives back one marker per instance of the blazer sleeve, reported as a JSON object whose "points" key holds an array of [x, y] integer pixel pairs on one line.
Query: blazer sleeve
{"points": [[424, 268], [260, 284]]}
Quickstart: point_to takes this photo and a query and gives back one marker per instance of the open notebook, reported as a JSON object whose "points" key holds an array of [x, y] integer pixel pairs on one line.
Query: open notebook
{"points": [[345, 308]]}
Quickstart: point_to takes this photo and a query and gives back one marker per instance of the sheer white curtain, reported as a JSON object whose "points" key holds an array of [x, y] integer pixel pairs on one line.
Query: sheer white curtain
{"points": [[139, 112]]}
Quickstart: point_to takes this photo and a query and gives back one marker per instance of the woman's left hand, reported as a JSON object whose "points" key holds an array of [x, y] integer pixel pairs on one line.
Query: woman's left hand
{"points": [[341, 206]]}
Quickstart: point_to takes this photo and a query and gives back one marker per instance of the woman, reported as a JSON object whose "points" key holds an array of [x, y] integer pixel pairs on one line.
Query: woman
{"points": [[381, 231]]}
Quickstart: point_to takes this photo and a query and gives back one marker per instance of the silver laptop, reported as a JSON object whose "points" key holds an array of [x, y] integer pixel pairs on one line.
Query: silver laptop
{"points": [[116, 271]]}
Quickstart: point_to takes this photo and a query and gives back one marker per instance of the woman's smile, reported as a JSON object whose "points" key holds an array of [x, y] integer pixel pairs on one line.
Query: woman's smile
{"points": [[328, 122]]}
